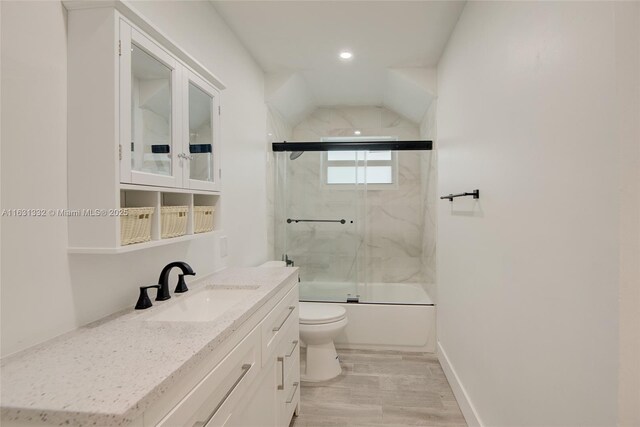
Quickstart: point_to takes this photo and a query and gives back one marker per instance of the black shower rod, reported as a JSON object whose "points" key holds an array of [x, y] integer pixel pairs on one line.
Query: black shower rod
{"points": [[352, 146]]}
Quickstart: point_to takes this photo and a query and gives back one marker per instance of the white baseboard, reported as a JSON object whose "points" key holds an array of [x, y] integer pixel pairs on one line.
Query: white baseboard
{"points": [[467, 408], [375, 347]]}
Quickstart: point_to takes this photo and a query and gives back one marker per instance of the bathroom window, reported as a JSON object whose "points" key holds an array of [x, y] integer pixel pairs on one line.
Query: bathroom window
{"points": [[376, 169]]}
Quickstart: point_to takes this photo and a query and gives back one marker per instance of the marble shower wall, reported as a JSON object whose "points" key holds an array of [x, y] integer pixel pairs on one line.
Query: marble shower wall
{"points": [[391, 243], [325, 252]]}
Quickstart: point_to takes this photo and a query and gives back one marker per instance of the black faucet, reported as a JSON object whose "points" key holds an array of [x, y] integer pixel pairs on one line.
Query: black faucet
{"points": [[143, 300], [288, 261], [163, 281]]}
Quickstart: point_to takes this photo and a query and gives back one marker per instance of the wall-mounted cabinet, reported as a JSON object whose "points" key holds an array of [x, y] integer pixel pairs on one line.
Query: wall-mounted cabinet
{"points": [[169, 118], [144, 128]]}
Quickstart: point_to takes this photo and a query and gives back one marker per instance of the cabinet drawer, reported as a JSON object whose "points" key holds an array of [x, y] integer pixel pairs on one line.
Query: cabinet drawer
{"points": [[290, 397], [289, 349], [288, 357], [278, 322], [211, 402], [292, 364]]}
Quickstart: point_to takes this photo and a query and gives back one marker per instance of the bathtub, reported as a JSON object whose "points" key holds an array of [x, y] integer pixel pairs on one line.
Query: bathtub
{"points": [[383, 293], [388, 316]]}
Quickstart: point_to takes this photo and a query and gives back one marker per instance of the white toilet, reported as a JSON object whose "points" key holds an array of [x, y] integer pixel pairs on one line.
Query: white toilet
{"points": [[319, 325]]}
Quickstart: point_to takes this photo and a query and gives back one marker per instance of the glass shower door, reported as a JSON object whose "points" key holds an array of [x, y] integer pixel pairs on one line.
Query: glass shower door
{"points": [[354, 218], [317, 226]]}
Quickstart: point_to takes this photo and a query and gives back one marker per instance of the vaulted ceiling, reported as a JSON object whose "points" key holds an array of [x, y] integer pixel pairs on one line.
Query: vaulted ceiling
{"points": [[395, 46]]}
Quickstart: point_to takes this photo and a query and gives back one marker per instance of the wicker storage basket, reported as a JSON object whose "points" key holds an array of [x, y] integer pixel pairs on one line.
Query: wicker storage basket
{"points": [[174, 221], [203, 218], [135, 226]]}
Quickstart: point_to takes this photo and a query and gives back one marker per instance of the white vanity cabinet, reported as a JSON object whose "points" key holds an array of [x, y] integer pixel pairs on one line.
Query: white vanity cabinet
{"points": [[251, 380], [143, 126], [281, 365], [240, 368]]}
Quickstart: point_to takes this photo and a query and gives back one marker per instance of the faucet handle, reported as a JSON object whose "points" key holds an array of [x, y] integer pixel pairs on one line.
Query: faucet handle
{"points": [[143, 300], [181, 286]]}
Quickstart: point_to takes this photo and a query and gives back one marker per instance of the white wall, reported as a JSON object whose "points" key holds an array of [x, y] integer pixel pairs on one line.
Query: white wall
{"points": [[628, 113], [46, 292], [529, 275], [37, 300]]}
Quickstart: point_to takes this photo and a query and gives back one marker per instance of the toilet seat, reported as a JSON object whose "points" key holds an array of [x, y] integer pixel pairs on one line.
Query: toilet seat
{"points": [[319, 314]]}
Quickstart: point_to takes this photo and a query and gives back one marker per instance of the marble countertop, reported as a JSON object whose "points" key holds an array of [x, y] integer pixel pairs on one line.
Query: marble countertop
{"points": [[108, 372]]}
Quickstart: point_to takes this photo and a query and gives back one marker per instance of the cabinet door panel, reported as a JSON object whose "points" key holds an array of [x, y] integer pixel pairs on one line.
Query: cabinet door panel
{"points": [[276, 324], [288, 394], [212, 401], [201, 134], [150, 111]]}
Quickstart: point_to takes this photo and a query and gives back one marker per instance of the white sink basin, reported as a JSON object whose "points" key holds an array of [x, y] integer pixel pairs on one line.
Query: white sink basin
{"points": [[203, 306]]}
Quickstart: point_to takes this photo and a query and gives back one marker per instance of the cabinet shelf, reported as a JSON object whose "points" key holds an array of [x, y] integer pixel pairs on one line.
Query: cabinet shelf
{"points": [[141, 187], [139, 246], [151, 128]]}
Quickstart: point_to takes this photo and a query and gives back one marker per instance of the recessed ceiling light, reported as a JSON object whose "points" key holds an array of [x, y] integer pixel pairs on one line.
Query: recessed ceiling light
{"points": [[346, 54], [356, 132]]}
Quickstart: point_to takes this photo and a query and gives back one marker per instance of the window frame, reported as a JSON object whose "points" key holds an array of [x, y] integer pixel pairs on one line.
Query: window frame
{"points": [[326, 163]]}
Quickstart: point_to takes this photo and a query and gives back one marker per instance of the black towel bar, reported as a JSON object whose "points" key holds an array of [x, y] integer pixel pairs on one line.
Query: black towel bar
{"points": [[474, 193], [341, 221]]}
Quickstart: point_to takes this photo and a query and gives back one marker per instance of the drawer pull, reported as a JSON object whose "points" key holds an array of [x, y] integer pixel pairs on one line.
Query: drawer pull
{"points": [[245, 369], [295, 344], [295, 388], [277, 328], [281, 385]]}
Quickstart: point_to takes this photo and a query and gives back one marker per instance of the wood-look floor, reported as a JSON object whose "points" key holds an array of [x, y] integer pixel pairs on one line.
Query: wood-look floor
{"points": [[381, 388]]}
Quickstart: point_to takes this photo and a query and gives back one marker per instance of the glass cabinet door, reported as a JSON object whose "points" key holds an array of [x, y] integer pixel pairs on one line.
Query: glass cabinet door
{"points": [[149, 136], [201, 122]]}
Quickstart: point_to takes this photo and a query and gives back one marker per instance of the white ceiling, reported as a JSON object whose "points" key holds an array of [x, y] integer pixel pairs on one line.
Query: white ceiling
{"points": [[303, 39]]}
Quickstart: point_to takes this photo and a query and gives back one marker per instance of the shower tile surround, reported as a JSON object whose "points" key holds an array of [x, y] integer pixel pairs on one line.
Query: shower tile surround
{"points": [[400, 230]]}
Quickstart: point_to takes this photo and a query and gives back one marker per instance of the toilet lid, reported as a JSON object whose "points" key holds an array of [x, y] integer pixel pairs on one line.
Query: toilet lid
{"points": [[313, 314]]}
